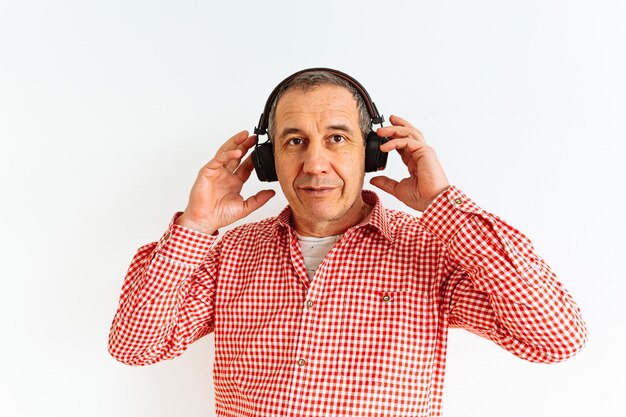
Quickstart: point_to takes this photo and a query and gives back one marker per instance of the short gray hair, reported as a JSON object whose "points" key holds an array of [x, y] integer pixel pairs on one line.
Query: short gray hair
{"points": [[313, 79]]}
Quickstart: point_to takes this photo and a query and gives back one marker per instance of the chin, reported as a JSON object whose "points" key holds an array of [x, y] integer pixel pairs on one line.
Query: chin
{"points": [[329, 216]]}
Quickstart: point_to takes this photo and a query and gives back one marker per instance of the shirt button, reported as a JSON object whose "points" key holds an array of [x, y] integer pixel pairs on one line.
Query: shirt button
{"points": [[309, 303], [458, 201], [301, 362], [386, 298], [167, 235]]}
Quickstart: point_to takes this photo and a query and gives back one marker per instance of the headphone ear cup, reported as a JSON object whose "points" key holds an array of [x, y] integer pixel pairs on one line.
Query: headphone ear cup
{"points": [[263, 159], [375, 159]]}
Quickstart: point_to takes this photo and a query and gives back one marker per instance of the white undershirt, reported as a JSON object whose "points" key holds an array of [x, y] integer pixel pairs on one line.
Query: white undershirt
{"points": [[314, 250]]}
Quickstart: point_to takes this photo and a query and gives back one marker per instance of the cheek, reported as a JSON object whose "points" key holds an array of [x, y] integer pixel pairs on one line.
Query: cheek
{"points": [[352, 168], [286, 168]]}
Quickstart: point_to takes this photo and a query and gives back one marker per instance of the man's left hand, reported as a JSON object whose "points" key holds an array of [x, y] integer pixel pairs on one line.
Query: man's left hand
{"points": [[426, 177]]}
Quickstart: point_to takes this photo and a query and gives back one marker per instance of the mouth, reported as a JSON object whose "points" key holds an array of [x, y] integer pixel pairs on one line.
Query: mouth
{"points": [[317, 191]]}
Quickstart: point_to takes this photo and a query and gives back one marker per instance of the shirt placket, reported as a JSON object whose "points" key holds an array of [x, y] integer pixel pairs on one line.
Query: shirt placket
{"points": [[301, 360], [304, 361]]}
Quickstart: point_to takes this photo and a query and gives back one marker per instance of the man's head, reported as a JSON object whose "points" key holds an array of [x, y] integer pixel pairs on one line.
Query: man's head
{"points": [[318, 129]]}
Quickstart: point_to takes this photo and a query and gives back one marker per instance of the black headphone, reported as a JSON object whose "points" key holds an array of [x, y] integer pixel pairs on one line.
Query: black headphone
{"points": [[263, 154]]}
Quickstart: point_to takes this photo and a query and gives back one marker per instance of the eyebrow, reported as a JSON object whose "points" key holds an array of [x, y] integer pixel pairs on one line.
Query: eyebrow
{"points": [[341, 127], [289, 130]]}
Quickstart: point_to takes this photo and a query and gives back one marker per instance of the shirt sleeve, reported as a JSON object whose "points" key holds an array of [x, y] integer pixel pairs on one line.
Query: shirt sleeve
{"points": [[498, 287], [167, 299]]}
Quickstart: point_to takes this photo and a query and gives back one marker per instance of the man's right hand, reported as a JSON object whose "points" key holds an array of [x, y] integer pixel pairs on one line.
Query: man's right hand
{"points": [[215, 200]]}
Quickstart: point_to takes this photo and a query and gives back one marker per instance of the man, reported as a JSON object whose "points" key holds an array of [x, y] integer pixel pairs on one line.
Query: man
{"points": [[337, 306]]}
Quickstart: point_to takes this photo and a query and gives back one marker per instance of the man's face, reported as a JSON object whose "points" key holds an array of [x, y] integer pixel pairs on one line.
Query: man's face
{"points": [[320, 156]]}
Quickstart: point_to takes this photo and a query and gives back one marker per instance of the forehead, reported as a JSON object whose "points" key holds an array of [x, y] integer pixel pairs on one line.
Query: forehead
{"points": [[319, 102]]}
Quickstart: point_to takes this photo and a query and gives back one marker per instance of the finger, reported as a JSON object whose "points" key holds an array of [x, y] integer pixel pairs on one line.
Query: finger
{"points": [[245, 169], [399, 132], [225, 153], [234, 141], [222, 158], [399, 121], [406, 144], [408, 148], [390, 131], [248, 143], [385, 183], [243, 147], [257, 200]]}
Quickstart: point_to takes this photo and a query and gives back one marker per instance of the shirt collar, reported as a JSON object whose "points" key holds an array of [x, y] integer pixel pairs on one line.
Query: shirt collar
{"points": [[377, 217]]}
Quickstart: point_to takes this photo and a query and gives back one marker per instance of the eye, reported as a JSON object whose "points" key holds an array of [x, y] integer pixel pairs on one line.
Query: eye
{"points": [[295, 141], [338, 139]]}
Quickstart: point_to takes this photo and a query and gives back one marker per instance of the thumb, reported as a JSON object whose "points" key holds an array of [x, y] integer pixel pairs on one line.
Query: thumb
{"points": [[385, 184], [257, 200]]}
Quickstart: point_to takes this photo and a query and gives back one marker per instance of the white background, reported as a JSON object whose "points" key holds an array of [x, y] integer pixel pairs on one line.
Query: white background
{"points": [[108, 109]]}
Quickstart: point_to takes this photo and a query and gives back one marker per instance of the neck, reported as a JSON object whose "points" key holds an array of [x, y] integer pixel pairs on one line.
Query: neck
{"points": [[317, 228]]}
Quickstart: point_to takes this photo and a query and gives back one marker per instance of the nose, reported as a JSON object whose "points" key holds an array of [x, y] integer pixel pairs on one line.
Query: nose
{"points": [[316, 159]]}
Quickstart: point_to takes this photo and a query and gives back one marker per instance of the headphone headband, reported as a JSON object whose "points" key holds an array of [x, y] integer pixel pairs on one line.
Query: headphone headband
{"points": [[261, 129]]}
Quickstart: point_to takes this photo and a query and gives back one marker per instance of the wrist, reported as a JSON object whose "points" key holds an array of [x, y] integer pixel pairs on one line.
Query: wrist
{"points": [[198, 226], [437, 194]]}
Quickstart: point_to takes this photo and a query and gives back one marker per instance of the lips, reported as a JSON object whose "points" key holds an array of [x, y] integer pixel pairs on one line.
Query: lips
{"points": [[314, 186], [317, 191], [317, 188]]}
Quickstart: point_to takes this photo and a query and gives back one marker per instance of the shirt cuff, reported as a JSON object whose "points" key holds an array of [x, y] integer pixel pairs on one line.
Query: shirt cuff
{"points": [[185, 245], [448, 212]]}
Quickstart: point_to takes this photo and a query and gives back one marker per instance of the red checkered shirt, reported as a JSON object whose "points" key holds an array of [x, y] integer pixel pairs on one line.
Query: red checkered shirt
{"points": [[367, 336]]}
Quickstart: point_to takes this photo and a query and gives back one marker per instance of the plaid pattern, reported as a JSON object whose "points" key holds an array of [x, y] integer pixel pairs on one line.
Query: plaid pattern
{"points": [[367, 336]]}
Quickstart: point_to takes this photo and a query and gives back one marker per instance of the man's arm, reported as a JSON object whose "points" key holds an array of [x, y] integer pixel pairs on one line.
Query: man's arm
{"points": [[167, 299], [498, 287]]}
